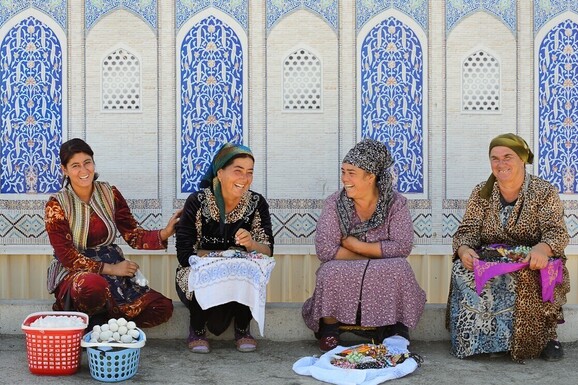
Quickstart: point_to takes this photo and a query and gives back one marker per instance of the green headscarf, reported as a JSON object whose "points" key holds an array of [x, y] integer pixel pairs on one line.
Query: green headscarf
{"points": [[224, 155], [515, 143]]}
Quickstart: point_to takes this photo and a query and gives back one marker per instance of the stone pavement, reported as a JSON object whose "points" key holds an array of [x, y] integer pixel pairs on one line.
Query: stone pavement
{"points": [[168, 361]]}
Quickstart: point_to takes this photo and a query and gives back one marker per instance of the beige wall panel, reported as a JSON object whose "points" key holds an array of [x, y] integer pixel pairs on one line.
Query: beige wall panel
{"points": [[468, 134], [125, 143], [302, 147], [292, 280]]}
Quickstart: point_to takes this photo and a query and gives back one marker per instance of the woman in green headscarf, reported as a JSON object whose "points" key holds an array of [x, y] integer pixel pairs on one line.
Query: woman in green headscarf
{"points": [[224, 214], [524, 215]]}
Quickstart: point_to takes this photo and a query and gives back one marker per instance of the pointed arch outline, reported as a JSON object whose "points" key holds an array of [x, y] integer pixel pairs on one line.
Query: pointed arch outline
{"points": [[315, 53], [60, 34], [421, 36], [541, 125], [495, 56], [108, 52], [182, 33]]}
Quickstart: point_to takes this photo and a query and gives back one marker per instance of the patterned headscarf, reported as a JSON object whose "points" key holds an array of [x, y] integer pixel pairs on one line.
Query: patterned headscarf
{"points": [[372, 156], [224, 155], [515, 143]]}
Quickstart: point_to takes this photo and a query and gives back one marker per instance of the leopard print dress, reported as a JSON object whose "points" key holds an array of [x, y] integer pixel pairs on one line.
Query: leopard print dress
{"points": [[509, 314]]}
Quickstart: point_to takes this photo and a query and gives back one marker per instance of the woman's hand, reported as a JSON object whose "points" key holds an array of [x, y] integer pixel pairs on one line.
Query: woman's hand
{"points": [[125, 268], [350, 243], [538, 256], [243, 238], [170, 228], [467, 255]]}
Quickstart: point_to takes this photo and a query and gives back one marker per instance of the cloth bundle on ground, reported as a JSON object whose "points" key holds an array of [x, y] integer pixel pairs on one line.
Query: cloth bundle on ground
{"points": [[322, 369], [232, 276]]}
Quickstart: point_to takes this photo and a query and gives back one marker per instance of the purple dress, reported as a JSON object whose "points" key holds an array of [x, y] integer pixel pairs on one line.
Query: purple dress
{"points": [[385, 289]]}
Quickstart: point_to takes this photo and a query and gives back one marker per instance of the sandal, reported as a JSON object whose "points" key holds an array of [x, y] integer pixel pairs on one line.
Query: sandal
{"points": [[553, 351], [327, 343], [244, 341], [198, 342], [329, 337]]}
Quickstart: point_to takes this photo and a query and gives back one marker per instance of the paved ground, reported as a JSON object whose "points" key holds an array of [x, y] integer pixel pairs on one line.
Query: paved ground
{"points": [[165, 361]]}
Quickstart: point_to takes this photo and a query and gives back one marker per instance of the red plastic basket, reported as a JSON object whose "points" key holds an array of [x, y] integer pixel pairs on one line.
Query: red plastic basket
{"points": [[53, 351]]}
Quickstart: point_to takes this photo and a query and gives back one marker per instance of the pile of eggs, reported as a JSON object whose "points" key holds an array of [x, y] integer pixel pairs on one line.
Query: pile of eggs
{"points": [[116, 330]]}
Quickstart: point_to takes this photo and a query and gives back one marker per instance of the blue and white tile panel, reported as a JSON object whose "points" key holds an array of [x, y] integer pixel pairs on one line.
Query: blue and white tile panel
{"points": [[504, 10], [544, 11], [56, 9], [418, 10], [327, 9], [237, 9], [392, 96], [32, 96], [95, 9], [557, 136]]}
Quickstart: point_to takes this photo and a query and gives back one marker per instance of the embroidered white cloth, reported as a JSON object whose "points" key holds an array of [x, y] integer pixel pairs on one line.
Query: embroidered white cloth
{"points": [[322, 369], [230, 275]]}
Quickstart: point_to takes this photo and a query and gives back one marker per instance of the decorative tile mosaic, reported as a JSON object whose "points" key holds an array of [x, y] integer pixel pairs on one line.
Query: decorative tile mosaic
{"points": [[95, 9], [31, 114], [237, 9], [557, 138], [327, 9], [422, 226], [450, 223], [392, 98], [57, 9], [211, 96], [416, 9], [545, 10], [504, 10]]}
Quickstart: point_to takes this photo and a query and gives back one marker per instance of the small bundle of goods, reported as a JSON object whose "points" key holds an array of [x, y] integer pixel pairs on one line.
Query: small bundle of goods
{"points": [[114, 350], [361, 364], [53, 341]]}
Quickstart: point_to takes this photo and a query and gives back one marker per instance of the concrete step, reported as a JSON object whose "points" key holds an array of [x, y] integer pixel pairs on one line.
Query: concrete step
{"points": [[283, 322]]}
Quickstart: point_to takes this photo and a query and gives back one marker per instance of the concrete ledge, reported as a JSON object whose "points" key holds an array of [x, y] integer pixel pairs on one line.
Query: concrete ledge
{"points": [[283, 322]]}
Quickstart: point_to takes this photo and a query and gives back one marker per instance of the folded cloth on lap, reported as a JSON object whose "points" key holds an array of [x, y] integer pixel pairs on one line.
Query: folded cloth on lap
{"points": [[217, 280], [551, 275]]}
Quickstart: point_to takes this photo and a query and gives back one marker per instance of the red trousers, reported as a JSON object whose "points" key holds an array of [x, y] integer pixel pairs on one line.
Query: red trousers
{"points": [[90, 293]]}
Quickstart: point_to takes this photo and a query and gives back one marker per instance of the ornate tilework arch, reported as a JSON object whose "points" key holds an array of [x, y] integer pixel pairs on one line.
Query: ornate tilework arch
{"points": [[392, 95], [211, 92], [33, 111], [556, 136]]}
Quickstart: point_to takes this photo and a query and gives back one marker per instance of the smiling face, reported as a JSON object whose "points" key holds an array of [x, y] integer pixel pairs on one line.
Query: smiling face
{"points": [[236, 178], [507, 166], [357, 182], [80, 171]]}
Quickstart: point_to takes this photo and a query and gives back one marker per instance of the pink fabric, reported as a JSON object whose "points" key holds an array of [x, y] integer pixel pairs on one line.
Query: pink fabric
{"points": [[550, 276]]}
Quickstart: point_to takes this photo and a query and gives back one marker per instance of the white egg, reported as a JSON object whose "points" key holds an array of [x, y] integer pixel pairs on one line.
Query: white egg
{"points": [[126, 338], [105, 327], [134, 333], [112, 321], [93, 340], [116, 336], [95, 335], [113, 327], [130, 325], [96, 328], [121, 322], [122, 330], [106, 335]]}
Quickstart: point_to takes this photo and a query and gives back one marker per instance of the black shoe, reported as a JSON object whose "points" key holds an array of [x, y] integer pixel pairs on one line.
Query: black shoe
{"points": [[553, 351]]}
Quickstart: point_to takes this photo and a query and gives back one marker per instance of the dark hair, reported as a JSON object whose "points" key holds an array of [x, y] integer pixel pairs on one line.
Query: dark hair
{"points": [[71, 148], [230, 161]]}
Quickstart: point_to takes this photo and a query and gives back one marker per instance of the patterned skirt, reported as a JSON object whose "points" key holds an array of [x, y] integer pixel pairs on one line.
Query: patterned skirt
{"points": [[508, 315]]}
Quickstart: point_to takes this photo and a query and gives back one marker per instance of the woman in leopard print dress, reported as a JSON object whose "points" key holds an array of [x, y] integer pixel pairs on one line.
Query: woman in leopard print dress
{"points": [[516, 209]]}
